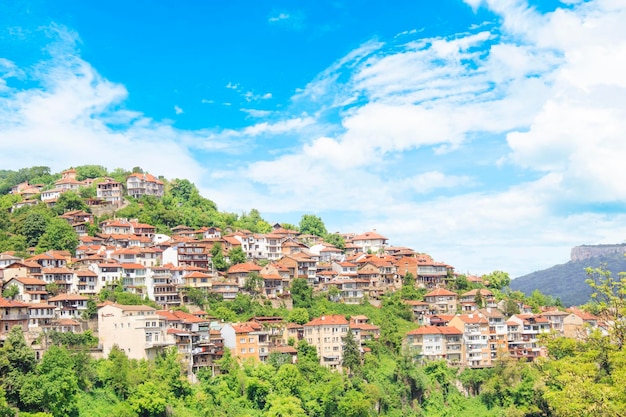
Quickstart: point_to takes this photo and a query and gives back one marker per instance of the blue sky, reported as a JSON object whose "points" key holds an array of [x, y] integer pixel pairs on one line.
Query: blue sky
{"points": [[487, 133]]}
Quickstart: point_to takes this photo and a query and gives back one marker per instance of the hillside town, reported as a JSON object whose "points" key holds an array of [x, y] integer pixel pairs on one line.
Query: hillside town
{"points": [[58, 291]]}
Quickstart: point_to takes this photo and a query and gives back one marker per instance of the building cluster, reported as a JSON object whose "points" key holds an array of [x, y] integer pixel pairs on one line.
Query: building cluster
{"points": [[108, 191], [482, 333], [52, 291]]}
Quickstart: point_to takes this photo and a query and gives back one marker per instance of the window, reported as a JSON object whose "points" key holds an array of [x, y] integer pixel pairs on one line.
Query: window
{"points": [[243, 350], [251, 340], [242, 340], [251, 350]]}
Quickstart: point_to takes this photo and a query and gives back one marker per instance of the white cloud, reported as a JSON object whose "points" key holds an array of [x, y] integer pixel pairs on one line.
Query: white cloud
{"points": [[278, 17], [178, 110], [548, 90]]}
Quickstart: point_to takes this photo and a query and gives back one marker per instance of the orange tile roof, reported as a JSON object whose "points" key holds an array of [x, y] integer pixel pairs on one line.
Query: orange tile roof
{"points": [[333, 319], [439, 292]]}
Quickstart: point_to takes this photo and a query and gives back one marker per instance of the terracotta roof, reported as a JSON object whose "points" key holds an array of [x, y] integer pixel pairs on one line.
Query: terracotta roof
{"points": [[69, 297], [244, 267], [440, 292], [11, 303], [435, 330], [328, 320], [369, 236]]}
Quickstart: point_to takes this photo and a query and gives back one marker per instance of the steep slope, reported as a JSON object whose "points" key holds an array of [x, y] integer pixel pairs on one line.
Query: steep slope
{"points": [[567, 281]]}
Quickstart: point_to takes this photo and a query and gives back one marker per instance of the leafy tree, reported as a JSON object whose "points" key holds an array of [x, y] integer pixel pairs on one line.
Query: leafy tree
{"points": [[313, 225], [53, 288], [289, 226], [17, 360], [301, 293], [34, 226], [510, 307], [237, 256], [351, 353], [335, 239], [57, 383], [253, 284], [610, 296], [298, 315], [11, 292], [60, 236], [497, 280], [217, 257], [114, 373], [182, 189], [354, 404], [90, 171], [253, 222], [68, 201], [148, 401]]}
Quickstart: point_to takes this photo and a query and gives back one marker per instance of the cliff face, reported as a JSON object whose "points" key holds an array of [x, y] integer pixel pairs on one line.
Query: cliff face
{"points": [[580, 253]]}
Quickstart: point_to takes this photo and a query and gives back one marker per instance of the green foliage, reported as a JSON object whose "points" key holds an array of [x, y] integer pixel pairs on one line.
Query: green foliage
{"points": [[69, 201], [335, 239], [10, 292], [217, 257], [351, 354], [70, 339], [34, 226], [59, 235], [312, 225], [90, 171], [609, 294], [497, 280], [236, 256], [301, 293], [253, 222], [298, 315]]}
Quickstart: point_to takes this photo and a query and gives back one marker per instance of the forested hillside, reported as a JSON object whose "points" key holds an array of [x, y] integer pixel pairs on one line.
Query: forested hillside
{"points": [[567, 281]]}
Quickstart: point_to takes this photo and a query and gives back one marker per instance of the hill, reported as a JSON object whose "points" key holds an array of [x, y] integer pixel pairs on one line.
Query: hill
{"points": [[567, 281]]}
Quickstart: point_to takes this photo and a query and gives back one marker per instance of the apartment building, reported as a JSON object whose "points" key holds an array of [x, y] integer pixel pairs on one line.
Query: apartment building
{"points": [[326, 333]]}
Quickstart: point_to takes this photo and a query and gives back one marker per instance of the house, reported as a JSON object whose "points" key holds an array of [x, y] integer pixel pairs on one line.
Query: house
{"points": [[12, 313], [441, 301], [476, 299], [69, 305], [363, 330], [228, 290], [138, 185], [136, 329], [189, 333], [369, 242], [523, 336], [31, 290], [431, 343], [240, 272], [41, 315], [475, 330], [242, 339], [498, 335], [110, 191], [163, 289], [326, 333]]}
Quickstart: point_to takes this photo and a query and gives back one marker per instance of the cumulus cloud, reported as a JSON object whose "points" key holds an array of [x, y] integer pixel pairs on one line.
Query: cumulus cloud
{"points": [[73, 116], [541, 95]]}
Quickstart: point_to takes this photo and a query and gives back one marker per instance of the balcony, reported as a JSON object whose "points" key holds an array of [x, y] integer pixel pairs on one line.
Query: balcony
{"points": [[13, 317]]}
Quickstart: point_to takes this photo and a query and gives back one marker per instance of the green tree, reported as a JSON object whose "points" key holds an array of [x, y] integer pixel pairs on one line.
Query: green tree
{"points": [[253, 284], [237, 256], [11, 292], [497, 280], [217, 257], [148, 401], [114, 373], [90, 171], [301, 293], [57, 382], [351, 353], [609, 295], [17, 360], [69, 201], [34, 226], [59, 236], [336, 240], [298, 315], [312, 225]]}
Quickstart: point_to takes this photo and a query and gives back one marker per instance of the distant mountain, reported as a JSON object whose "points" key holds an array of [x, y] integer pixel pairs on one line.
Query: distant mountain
{"points": [[567, 281]]}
